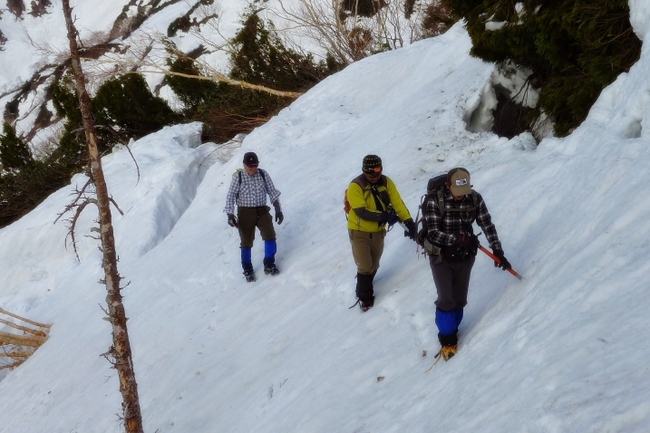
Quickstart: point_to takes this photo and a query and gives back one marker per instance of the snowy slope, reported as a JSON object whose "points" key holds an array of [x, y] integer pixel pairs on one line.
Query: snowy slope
{"points": [[558, 352]]}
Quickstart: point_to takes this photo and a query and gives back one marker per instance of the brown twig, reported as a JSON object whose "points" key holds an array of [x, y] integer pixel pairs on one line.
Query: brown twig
{"points": [[23, 328], [31, 322]]}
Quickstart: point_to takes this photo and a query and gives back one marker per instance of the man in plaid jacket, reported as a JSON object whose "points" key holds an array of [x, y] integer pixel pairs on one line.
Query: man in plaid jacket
{"points": [[451, 230], [248, 190]]}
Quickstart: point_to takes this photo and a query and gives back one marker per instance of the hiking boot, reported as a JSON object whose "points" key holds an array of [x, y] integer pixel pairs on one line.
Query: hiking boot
{"points": [[271, 270], [249, 274], [365, 306], [448, 351], [364, 289]]}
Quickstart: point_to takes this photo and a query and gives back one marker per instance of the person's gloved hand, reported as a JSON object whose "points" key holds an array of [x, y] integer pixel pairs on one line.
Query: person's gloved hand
{"points": [[505, 264], [411, 230], [232, 220], [389, 218], [468, 242], [279, 216]]}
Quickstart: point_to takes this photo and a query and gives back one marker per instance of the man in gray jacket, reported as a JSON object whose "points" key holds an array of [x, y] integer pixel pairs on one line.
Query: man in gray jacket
{"points": [[248, 190]]}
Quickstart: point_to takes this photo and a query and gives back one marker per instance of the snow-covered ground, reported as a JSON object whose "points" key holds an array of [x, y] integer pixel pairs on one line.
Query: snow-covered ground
{"points": [[562, 351]]}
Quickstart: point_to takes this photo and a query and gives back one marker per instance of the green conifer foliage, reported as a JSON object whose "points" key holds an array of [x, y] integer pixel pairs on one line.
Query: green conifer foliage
{"points": [[125, 108], [263, 59], [14, 153], [28, 181], [191, 92], [72, 142], [22, 190], [260, 58], [574, 48]]}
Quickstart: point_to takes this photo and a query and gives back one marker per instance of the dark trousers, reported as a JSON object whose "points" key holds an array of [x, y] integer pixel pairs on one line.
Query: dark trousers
{"points": [[249, 219], [452, 285], [452, 282]]}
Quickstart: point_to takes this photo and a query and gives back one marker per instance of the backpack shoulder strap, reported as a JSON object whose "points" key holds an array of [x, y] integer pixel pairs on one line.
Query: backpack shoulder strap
{"points": [[441, 201], [474, 204], [240, 170], [361, 181], [379, 202], [382, 199]]}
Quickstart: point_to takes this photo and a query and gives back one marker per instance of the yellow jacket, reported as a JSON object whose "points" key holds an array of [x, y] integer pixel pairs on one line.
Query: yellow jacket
{"points": [[367, 206]]}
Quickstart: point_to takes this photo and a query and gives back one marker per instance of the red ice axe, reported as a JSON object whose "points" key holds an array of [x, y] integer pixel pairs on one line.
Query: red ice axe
{"points": [[496, 259]]}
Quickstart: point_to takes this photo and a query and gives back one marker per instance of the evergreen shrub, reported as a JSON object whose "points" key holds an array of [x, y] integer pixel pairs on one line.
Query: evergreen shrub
{"points": [[14, 152], [574, 48], [259, 58], [123, 108]]}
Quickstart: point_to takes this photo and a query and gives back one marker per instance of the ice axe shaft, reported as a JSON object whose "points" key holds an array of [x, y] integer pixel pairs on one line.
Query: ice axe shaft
{"points": [[496, 259]]}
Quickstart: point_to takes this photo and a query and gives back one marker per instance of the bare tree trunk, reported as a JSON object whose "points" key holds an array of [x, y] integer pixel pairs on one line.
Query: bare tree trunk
{"points": [[121, 349]]}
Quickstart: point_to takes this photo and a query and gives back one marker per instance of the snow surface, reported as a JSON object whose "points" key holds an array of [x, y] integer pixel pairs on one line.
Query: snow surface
{"points": [[562, 351]]}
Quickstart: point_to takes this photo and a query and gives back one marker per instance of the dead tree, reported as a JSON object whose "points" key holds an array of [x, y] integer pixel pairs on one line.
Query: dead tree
{"points": [[121, 350]]}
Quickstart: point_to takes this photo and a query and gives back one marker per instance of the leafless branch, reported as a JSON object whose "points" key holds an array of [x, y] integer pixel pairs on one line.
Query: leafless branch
{"points": [[31, 322], [19, 347], [346, 35]]}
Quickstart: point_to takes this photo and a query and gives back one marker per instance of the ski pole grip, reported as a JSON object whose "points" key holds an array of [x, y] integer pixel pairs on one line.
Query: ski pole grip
{"points": [[496, 259]]}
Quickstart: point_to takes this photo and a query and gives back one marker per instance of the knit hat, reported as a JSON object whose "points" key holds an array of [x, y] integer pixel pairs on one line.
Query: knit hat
{"points": [[371, 164], [459, 181], [250, 159]]}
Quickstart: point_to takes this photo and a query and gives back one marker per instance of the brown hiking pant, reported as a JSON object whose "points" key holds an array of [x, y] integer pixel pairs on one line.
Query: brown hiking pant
{"points": [[251, 217], [367, 249]]}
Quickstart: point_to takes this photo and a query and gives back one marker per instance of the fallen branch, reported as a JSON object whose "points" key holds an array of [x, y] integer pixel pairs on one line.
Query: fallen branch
{"points": [[18, 347], [23, 328], [31, 322], [19, 354], [21, 340]]}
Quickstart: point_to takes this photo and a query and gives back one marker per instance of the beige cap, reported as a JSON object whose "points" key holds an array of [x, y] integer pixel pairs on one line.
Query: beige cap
{"points": [[459, 181]]}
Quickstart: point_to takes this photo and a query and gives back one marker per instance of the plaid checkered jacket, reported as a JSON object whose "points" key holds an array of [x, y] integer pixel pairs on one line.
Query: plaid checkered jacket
{"points": [[448, 229], [250, 191]]}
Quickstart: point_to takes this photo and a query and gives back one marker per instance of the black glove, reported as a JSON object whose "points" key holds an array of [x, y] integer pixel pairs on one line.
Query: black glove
{"points": [[505, 264], [279, 216], [389, 218], [468, 242], [232, 220], [411, 230]]}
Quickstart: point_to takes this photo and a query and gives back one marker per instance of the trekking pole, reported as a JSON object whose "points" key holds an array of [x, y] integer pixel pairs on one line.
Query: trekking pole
{"points": [[496, 259]]}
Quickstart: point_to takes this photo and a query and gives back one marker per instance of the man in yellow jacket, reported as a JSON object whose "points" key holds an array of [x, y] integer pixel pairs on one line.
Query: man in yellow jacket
{"points": [[375, 204]]}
